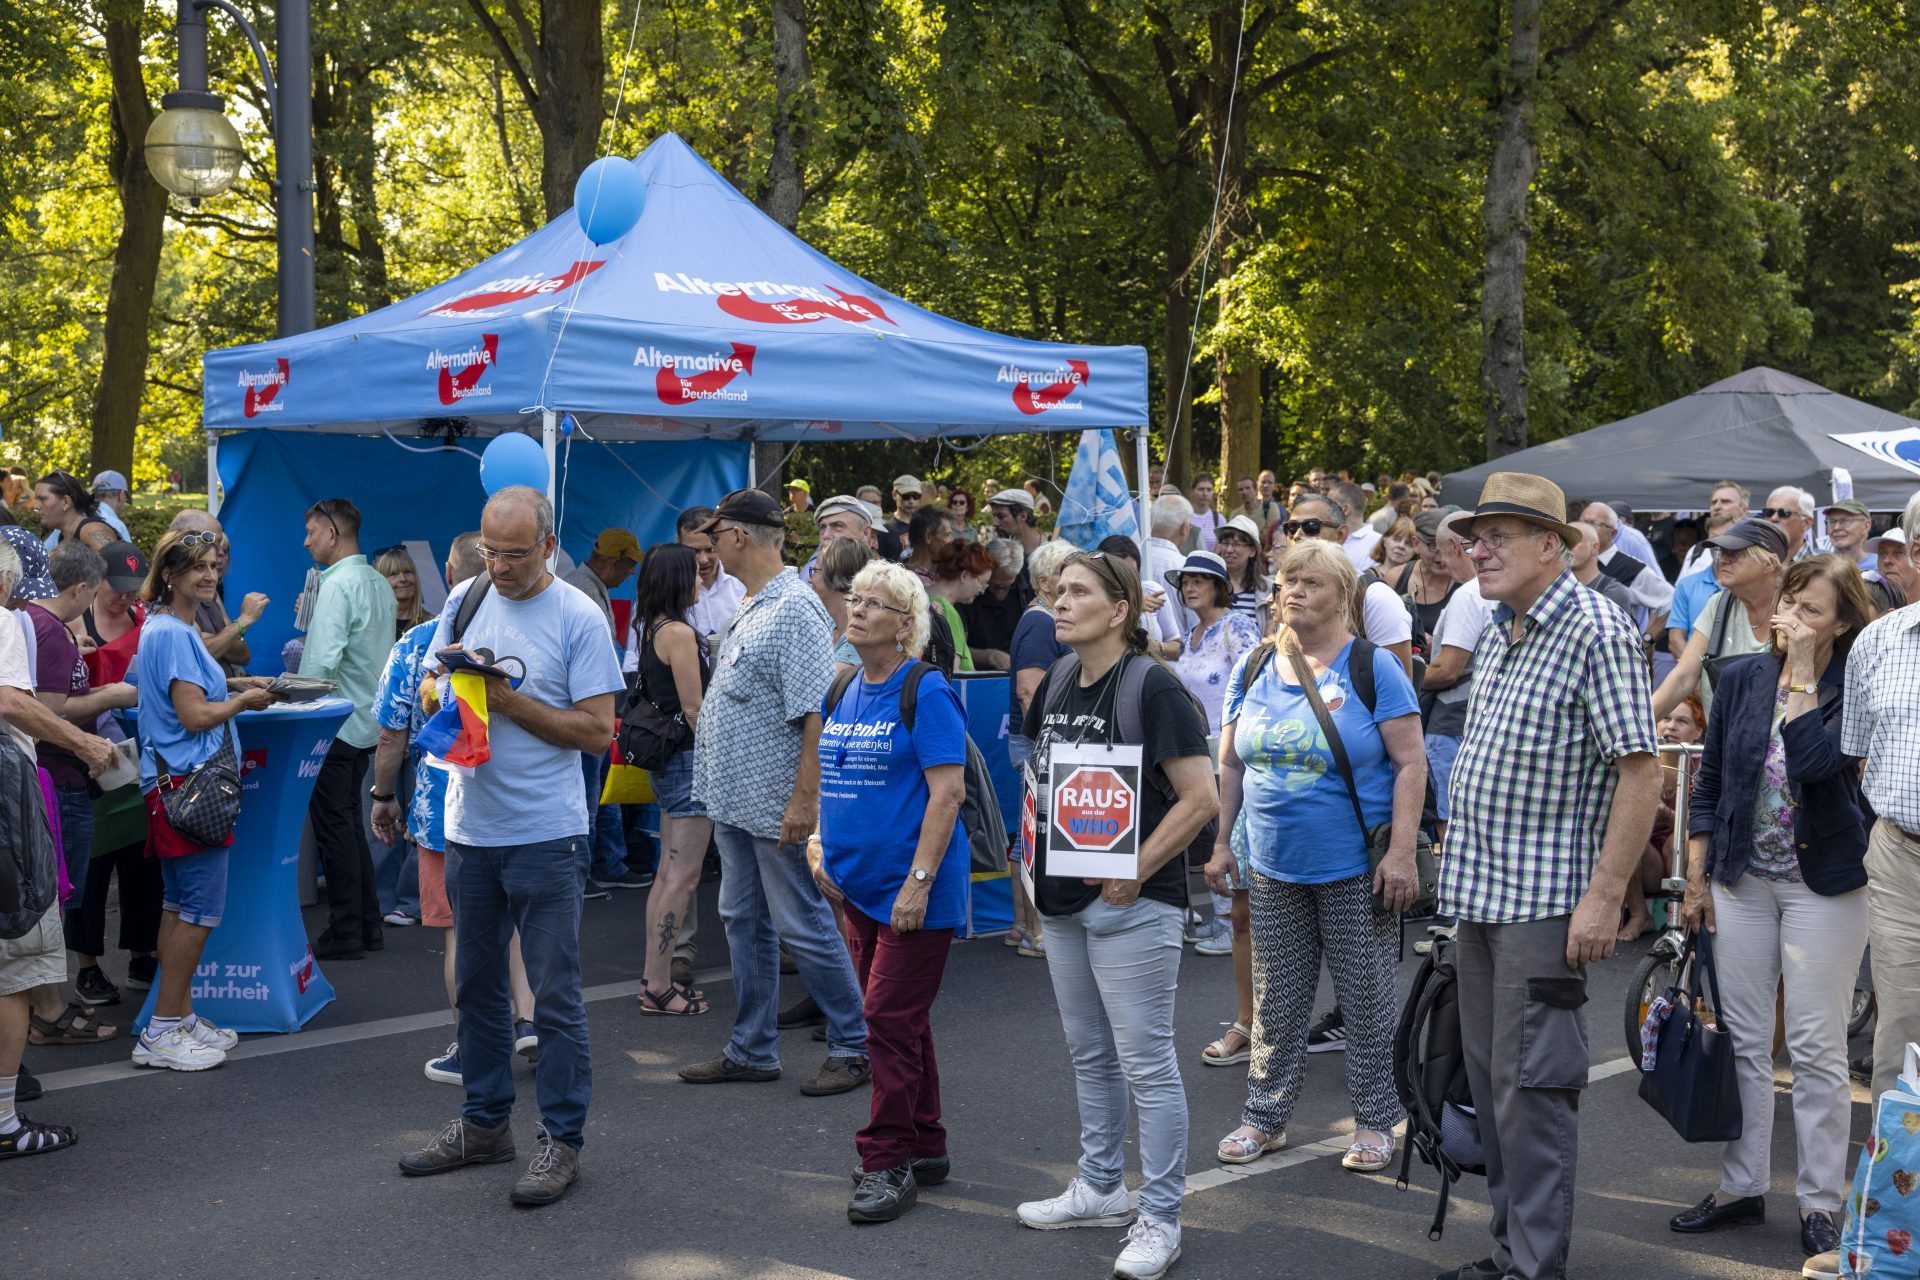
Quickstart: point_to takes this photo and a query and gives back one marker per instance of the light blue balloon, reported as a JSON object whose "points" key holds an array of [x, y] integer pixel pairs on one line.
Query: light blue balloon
{"points": [[608, 199], [512, 459]]}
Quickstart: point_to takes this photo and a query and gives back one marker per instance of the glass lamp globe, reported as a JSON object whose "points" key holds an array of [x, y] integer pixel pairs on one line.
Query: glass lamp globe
{"points": [[193, 149]]}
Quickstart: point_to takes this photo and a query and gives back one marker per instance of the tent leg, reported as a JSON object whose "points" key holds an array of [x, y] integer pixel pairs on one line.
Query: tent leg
{"points": [[753, 464], [1146, 499], [549, 438], [213, 474]]}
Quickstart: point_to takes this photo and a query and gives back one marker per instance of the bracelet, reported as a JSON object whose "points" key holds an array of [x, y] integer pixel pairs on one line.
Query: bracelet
{"points": [[381, 798]]}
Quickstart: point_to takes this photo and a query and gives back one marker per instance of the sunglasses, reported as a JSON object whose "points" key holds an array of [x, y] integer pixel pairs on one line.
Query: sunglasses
{"points": [[1779, 513], [1311, 526], [199, 540]]}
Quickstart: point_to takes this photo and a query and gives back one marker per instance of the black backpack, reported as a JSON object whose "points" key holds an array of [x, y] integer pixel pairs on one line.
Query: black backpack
{"points": [[1430, 1075]]}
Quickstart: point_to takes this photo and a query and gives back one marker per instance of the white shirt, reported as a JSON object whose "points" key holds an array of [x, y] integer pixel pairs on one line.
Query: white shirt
{"points": [[1629, 539], [1359, 548], [1461, 623], [712, 613], [1385, 615], [1649, 590], [1698, 560], [13, 668], [1173, 622]]}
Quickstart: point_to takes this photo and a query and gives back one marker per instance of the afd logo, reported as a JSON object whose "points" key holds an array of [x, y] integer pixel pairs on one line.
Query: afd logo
{"points": [[461, 371], [494, 296], [263, 389], [685, 380], [252, 763], [1037, 391], [777, 303]]}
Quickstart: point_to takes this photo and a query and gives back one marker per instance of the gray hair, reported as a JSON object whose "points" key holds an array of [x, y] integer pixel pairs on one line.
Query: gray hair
{"points": [[463, 558], [1910, 523], [195, 522], [9, 569], [1352, 499], [73, 564], [1610, 520], [1802, 500], [1007, 554], [767, 537], [1047, 559], [904, 586], [524, 495], [1171, 514]]}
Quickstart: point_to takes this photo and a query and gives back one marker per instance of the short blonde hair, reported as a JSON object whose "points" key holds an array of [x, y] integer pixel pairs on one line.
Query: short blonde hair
{"points": [[1317, 555], [899, 582]]}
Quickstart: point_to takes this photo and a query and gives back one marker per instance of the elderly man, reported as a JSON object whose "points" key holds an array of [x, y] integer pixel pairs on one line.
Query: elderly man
{"points": [[1169, 520], [1848, 525], [1897, 568], [1792, 509], [1652, 594], [1586, 568], [616, 553], [1552, 799], [1726, 504], [114, 494]]}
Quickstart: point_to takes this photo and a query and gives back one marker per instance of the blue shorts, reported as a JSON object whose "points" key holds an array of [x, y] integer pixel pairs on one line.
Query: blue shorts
{"points": [[1440, 753], [673, 787], [196, 887]]}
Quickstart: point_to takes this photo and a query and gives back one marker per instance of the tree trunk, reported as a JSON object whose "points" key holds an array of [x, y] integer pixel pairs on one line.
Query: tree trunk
{"points": [[571, 104], [1237, 367], [792, 114], [1510, 172], [1176, 366], [125, 341], [357, 174]]}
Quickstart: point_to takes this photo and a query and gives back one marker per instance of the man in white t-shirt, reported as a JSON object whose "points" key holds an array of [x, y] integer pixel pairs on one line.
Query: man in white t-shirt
{"points": [[1449, 676], [1360, 537]]}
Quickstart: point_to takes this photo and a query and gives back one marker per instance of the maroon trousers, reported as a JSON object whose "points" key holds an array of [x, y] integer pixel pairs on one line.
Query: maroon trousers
{"points": [[899, 975]]}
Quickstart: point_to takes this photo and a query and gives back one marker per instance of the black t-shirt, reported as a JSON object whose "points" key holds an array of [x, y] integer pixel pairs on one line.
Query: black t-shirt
{"points": [[990, 620], [1172, 726]]}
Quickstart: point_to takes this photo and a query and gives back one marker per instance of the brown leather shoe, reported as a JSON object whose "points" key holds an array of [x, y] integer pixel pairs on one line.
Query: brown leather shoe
{"points": [[724, 1070], [838, 1075], [555, 1167], [461, 1143]]}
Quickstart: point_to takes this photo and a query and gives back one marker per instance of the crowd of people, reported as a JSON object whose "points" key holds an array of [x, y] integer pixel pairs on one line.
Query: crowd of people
{"points": [[1297, 691]]}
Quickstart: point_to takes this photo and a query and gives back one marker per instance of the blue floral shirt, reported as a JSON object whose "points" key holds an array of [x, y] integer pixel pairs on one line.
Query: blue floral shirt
{"points": [[1205, 667], [396, 706]]}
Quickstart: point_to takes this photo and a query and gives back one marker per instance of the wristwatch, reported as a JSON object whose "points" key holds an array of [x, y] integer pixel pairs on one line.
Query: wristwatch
{"points": [[1803, 688], [920, 874], [380, 798]]}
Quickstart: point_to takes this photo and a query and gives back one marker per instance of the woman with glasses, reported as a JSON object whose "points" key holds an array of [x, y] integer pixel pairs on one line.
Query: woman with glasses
{"points": [[1113, 945], [69, 510], [960, 502], [674, 669], [1237, 542], [1748, 559], [1384, 618], [891, 851]]}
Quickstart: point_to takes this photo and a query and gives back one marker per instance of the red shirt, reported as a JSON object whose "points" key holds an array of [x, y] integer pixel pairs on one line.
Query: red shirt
{"points": [[108, 664]]}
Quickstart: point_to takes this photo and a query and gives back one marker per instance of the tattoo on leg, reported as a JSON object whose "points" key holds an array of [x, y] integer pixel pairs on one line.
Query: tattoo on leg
{"points": [[667, 931]]}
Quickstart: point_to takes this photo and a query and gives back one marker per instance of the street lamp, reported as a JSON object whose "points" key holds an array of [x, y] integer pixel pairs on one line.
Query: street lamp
{"points": [[194, 151]]}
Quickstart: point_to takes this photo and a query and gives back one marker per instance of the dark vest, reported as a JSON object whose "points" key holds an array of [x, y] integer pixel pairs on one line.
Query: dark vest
{"points": [[1623, 568]]}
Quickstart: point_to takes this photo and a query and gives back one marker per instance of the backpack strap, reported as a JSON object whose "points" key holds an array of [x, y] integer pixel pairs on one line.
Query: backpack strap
{"points": [[1717, 639], [1360, 672], [469, 605], [909, 692], [838, 689], [1126, 698]]}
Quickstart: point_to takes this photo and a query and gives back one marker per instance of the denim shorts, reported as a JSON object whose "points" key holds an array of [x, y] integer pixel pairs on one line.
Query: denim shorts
{"points": [[196, 886], [673, 787]]}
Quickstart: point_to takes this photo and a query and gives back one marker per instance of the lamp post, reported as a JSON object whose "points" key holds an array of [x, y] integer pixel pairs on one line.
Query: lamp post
{"points": [[194, 150]]}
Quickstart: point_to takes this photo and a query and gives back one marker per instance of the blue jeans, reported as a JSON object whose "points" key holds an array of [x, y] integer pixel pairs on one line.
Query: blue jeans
{"points": [[76, 835], [767, 897], [1114, 970], [605, 834], [1441, 751], [536, 889]]}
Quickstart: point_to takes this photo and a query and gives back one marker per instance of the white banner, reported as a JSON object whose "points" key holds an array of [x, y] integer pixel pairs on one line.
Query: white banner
{"points": [[1900, 447]]}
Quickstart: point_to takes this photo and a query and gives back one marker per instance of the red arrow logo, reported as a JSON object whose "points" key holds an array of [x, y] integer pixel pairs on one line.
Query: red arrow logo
{"points": [[259, 398], [678, 389], [499, 293], [851, 307], [1027, 400], [454, 386]]}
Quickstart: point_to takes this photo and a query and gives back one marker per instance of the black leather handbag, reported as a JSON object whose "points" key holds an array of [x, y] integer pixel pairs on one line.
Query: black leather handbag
{"points": [[648, 736], [204, 805], [1693, 1083]]}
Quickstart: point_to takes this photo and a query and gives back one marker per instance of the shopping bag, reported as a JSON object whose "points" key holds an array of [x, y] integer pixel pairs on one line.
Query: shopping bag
{"points": [[1881, 1228], [1692, 1083], [627, 784]]}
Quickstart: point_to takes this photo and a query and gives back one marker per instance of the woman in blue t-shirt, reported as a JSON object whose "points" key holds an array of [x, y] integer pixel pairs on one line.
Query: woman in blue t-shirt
{"points": [[1312, 889], [890, 849], [187, 706]]}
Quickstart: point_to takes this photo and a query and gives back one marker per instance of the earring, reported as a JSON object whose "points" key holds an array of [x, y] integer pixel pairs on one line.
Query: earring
{"points": [[899, 647]]}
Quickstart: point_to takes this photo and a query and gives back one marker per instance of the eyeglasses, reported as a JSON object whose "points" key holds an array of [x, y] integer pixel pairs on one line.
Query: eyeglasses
{"points": [[1497, 541], [489, 554], [1781, 513], [1311, 526], [863, 602]]}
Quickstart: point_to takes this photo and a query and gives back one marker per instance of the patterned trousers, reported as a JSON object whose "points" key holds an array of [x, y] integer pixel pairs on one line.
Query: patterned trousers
{"points": [[1293, 925]]}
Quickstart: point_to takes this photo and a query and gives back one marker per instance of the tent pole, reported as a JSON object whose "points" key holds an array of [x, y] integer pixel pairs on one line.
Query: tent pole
{"points": [[213, 474], [1140, 477], [753, 463], [549, 434]]}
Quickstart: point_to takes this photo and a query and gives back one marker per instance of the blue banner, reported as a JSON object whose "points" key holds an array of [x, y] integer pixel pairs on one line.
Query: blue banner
{"points": [[988, 711]]}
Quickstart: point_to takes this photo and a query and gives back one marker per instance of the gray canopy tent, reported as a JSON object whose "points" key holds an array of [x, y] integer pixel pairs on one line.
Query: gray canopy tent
{"points": [[1762, 428]]}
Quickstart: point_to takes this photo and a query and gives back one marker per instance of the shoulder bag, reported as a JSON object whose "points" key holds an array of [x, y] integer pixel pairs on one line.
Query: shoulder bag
{"points": [[204, 804], [648, 736], [1380, 837], [1692, 1083], [1715, 663]]}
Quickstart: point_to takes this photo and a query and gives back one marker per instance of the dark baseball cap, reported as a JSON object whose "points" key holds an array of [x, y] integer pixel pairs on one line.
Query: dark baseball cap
{"points": [[747, 506], [126, 566], [1752, 533]]}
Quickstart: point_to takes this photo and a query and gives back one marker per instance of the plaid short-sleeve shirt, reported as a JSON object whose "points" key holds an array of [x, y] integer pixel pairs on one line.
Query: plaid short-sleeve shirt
{"points": [[775, 666], [1880, 721], [1533, 784]]}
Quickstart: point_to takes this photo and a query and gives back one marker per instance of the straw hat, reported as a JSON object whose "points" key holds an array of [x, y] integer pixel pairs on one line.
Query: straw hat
{"points": [[1534, 499]]}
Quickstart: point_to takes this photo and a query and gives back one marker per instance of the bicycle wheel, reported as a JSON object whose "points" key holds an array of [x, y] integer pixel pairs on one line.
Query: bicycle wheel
{"points": [[1860, 1013], [1659, 969]]}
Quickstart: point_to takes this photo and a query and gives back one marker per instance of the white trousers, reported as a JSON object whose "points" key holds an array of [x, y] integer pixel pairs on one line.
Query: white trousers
{"points": [[1767, 931]]}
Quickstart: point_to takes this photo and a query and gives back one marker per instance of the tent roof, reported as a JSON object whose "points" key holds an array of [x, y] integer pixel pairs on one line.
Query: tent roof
{"points": [[706, 318], [1763, 428]]}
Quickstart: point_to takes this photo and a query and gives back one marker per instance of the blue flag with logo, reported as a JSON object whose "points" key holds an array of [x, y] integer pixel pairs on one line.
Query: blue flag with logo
{"points": [[1097, 504]]}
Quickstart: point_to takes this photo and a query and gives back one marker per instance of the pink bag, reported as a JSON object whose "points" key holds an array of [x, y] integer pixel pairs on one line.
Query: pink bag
{"points": [[65, 886]]}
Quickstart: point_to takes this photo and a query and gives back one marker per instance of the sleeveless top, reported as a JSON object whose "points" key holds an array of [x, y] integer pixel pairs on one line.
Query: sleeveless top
{"points": [[661, 689]]}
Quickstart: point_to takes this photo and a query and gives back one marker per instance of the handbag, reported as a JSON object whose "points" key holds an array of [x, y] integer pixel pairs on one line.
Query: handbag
{"points": [[1692, 1083], [203, 805], [1379, 837], [1881, 1227], [648, 736], [1715, 663]]}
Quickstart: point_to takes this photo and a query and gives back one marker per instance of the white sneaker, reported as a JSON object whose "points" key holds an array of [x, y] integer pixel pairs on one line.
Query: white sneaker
{"points": [[213, 1037], [1822, 1266], [1217, 943], [1079, 1206], [176, 1050], [1152, 1247]]}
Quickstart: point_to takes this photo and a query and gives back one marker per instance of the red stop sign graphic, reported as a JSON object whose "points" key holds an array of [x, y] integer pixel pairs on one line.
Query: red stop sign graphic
{"points": [[1093, 808]]}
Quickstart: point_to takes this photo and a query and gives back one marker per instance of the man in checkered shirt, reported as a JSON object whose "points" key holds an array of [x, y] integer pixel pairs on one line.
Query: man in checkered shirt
{"points": [[1881, 723], [1552, 799]]}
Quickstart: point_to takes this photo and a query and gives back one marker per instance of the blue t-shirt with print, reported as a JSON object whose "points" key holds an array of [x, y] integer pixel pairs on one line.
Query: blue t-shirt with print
{"points": [[396, 706], [873, 794], [171, 650], [1301, 827]]}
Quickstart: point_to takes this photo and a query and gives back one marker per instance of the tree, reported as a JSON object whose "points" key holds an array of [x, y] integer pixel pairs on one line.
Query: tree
{"points": [[560, 68]]}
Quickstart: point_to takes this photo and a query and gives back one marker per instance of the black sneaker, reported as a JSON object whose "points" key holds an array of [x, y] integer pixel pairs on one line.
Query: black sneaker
{"points": [[626, 880], [596, 892], [26, 1086], [94, 988], [141, 971], [883, 1196], [803, 1013], [928, 1171], [1861, 1069], [1329, 1035]]}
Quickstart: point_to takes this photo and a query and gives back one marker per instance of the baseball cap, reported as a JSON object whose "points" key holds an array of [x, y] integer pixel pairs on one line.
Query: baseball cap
{"points": [[1852, 506], [1427, 523], [1752, 533], [842, 502], [747, 506], [1012, 498], [1894, 539], [906, 484], [112, 481], [126, 566], [617, 543], [801, 485]]}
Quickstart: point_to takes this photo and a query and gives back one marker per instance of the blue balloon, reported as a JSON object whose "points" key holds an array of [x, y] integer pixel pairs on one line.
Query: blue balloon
{"points": [[608, 199], [512, 459]]}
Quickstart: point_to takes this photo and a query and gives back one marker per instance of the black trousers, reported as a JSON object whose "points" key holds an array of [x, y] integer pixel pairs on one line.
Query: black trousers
{"points": [[141, 893], [353, 912]]}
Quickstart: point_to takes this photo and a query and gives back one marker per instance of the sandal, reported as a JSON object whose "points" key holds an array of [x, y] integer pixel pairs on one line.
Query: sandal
{"points": [[32, 1139], [1368, 1157], [1014, 938], [1032, 948], [691, 1002], [1247, 1144], [1218, 1054], [76, 1025]]}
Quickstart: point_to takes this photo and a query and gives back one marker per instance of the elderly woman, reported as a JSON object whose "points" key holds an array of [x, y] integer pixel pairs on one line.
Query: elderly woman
{"points": [[1221, 634], [891, 851], [1113, 947], [1313, 890], [1748, 559], [1035, 648], [187, 709], [834, 568], [396, 566], [960, 573], [1776, 873]]}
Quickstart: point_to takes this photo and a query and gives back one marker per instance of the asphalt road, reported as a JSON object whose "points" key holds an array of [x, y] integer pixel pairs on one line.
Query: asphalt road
{"points": [[282, 1162]]}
